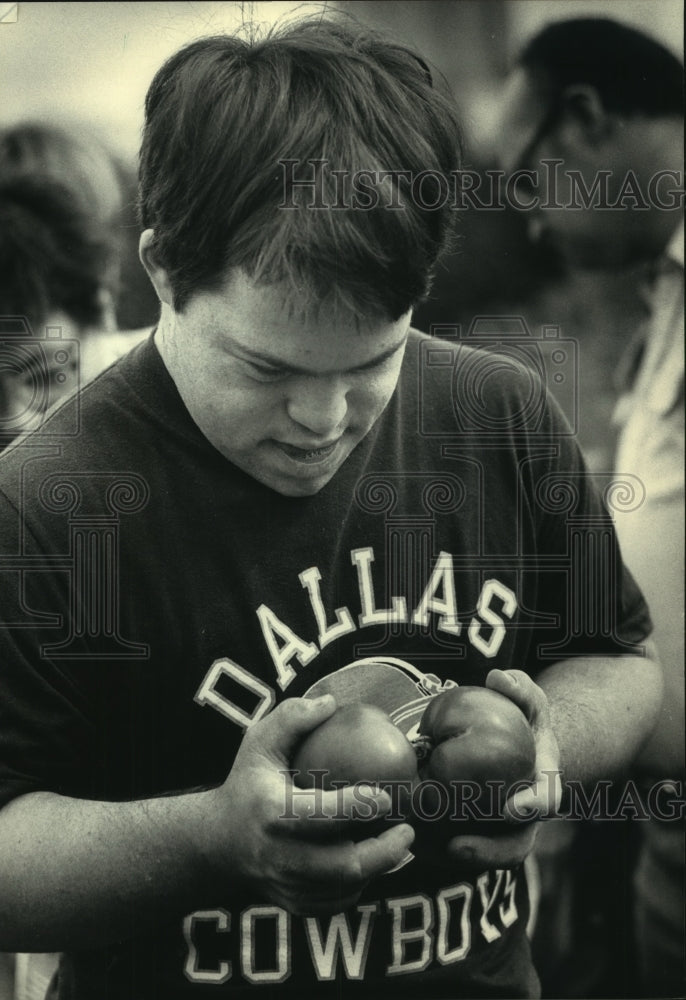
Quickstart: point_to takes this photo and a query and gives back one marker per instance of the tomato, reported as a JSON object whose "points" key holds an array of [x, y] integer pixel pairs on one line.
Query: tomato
{"points": [[477, 746], [358, 743]]}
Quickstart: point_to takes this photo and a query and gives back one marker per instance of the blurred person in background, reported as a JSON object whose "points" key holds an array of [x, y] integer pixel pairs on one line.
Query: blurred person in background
{"points": [[593, 118], [61, 199]]}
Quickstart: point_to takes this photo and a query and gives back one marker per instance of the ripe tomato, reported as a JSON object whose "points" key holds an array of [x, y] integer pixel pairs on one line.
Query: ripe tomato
{"points": [[477, 745], [359, 744]]}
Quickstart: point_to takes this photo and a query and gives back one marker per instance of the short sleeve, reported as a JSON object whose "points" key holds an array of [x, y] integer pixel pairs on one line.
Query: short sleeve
{"points": [[45, 736]]}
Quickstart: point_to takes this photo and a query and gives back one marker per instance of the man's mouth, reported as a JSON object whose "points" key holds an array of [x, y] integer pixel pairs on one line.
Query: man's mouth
{"points": [[310, 455]]}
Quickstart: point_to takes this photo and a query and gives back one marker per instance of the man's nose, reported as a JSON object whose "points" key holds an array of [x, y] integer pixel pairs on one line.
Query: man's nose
{"points": [[318, 404]]}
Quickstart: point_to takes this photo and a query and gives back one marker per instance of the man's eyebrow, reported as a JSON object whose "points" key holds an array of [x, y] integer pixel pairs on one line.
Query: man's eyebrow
{"points": [[267, 359]]}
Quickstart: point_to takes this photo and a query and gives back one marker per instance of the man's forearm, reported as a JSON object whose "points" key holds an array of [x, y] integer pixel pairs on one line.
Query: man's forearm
{"points": [[76, 872], [602, 710]]}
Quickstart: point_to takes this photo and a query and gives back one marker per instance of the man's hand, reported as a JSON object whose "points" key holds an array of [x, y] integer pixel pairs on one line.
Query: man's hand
{"points": [[508, 849], [264, 834]]}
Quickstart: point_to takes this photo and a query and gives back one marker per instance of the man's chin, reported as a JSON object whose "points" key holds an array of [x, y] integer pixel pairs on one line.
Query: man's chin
{"points": [[294, 486], [297, 489]]}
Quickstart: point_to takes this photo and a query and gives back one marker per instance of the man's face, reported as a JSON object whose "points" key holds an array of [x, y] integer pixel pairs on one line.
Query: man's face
{"points": [[284, 398], [532, 133]]}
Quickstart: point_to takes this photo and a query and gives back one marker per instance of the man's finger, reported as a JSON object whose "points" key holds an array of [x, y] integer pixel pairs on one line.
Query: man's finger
{"points": [[317, 872], [540, 801], [522, 690], [377, 855], [341, 813], [506, 850], [277, 734]]}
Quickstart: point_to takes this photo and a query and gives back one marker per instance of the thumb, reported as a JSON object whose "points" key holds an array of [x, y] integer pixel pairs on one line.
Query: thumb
{"points": [[540, 801], [523, 691], [277, 734]]}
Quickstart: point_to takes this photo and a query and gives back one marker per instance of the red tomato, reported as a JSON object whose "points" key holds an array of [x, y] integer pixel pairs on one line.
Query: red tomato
{"points": [[358, 743], [477, 746]]}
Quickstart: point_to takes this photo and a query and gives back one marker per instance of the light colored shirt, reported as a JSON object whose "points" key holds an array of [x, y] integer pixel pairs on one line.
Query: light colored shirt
{"points": [[651, 535], [651, 414], [651, 448]]}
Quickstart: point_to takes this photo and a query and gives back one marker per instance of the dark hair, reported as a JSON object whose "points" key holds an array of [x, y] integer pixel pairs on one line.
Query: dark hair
{"points": [[53, 255], [633, 74], [222, 113], [60, 194], [71, 154]]}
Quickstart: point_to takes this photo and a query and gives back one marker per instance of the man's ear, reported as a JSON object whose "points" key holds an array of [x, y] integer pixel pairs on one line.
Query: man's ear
{"points": [[582, 106], [156, 273]]}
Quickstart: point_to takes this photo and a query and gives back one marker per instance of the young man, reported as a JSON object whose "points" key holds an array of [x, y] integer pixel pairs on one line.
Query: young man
{"points": [[288, 492], [600, 106]]}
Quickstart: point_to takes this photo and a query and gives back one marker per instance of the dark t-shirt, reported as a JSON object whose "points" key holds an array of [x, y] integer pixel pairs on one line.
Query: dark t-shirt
{"points": [[157, 600]]}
